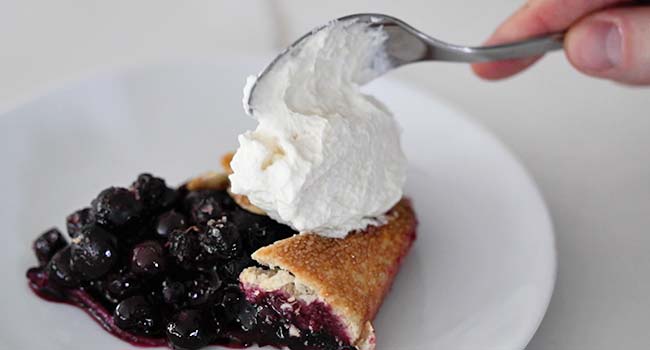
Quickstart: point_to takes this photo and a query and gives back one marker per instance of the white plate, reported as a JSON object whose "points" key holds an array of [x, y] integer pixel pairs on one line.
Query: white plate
{"points": [[480, 275]]}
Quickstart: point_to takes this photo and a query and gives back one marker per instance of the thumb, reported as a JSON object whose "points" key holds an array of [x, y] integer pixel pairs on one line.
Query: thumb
{"points": [[613, 44]]}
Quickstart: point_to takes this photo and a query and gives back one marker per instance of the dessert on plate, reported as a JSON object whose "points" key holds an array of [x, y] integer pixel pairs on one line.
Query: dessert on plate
{"points": [[295, 244]]}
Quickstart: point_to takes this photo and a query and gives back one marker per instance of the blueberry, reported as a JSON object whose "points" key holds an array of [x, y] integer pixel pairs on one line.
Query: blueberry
{"points": [[228, 305], [148, 259], [58, 269], [134, 234], [121, 285], [173, 292], [47, 244], [202, 289], [320, 340], [221, 239], [173, 197], [184, 247], [230, 269], [116, 207], [247, 317], [265, 232], [138, 316], [77, 220], [259, 230], [150, 190], [266, 316], [93, 253], [40, 282], [282, 331], [170, 221], [189, 330], [207, 204], [97, 289]]}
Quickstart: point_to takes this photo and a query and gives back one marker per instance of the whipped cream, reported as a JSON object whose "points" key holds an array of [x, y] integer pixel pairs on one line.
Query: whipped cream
{"points": [[325, 158]]}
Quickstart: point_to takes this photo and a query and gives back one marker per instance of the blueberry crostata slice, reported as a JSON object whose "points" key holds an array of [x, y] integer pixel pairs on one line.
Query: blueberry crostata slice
{"points": [[195, 265]]}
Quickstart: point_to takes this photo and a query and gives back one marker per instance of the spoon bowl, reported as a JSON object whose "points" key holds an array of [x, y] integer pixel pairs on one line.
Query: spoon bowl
{"points": [[405, 44]]}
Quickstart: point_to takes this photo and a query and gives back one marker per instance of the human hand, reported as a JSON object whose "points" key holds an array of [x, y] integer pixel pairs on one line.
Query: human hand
{"points": [[601, 41]]}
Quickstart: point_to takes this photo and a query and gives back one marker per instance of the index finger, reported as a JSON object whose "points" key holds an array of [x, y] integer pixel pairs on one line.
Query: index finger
{"points": [[536, 17]]}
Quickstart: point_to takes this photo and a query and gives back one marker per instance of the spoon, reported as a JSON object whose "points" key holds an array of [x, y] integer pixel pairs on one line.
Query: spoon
{"points": [[406, 44]]}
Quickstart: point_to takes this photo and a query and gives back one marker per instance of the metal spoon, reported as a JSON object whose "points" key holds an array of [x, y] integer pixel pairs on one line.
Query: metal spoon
{"points": [[406, 44]]}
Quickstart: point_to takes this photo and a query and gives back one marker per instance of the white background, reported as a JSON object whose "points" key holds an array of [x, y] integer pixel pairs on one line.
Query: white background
{"points": [[586, 142]]}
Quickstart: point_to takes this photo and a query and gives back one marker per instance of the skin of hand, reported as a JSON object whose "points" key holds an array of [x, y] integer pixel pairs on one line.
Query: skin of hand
{"points": [[608, 39]]}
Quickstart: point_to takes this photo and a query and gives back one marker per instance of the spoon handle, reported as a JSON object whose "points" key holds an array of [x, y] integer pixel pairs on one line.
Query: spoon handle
{"points": [[519, 49]]}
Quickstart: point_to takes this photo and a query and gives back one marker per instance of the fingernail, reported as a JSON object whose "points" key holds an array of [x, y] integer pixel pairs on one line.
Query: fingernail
{"points": [[600, 47]]}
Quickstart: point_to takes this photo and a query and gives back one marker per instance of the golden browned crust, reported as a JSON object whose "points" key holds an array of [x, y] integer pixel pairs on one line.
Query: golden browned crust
{"points": [[244, 203], [208, 181], [225, 162], [352, 274]]}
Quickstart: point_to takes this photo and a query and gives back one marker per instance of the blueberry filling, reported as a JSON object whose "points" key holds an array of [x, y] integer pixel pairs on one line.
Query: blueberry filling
{"points": [[47, 244], [137, 315], [116, 207], [156, 265], [93, 253], [77, 220]]}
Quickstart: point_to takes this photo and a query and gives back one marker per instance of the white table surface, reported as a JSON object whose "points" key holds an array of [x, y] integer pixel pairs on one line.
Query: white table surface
{"points": [[586, 142]]}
